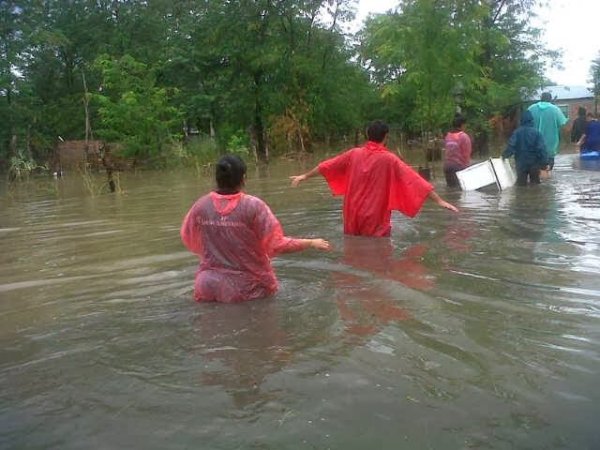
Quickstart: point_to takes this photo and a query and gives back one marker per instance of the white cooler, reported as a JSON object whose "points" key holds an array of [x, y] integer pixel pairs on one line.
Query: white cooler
{"points": [[496, 171]]}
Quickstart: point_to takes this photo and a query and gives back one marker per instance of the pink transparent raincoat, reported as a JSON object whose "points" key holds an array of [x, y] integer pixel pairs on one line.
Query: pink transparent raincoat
{"points": [[235, 237]]}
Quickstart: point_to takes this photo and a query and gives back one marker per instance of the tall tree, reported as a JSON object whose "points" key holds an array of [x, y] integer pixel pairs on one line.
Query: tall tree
{"points": [[259, 64], [13, 117], [433, 53], [133, 110], [230, 68]]}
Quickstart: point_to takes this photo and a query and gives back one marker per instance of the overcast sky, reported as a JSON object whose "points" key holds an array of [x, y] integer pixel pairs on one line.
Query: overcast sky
{"points": [[569, 25]]}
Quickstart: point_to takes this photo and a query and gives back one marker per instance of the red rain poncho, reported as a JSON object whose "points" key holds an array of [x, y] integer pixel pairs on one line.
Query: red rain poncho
{"points": [[235, 237], [374, 182]]}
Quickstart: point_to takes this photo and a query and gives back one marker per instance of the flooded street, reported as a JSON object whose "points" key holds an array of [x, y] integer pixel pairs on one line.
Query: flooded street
{"points": [[472, 330]]}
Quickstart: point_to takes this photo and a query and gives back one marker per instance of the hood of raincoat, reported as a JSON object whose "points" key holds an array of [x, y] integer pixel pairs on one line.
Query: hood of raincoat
{"points": [[544, 105], [375, 146], [527, 119]]}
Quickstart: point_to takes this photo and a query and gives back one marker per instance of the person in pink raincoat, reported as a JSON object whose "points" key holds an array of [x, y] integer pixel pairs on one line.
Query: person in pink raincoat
{"points": [[457, 151], [235, 235]]}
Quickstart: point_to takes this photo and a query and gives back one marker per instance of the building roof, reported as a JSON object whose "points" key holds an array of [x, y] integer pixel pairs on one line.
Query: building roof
{"points": [[565, 92]]}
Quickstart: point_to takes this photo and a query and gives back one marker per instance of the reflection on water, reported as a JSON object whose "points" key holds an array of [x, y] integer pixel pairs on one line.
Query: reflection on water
{"points": [[240, 347], [365, 306], [474, 330]]}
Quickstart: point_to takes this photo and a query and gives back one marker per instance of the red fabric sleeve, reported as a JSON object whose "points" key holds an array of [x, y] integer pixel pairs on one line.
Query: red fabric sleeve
{"points": [[408, 190], [335, 171], [270, 233], [190, 235]]}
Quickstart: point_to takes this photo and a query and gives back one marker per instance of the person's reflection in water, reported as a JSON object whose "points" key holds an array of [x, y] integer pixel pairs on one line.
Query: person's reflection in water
{"points": [[365, 307], [241, 345], [534, 215], [459, 234], [262, 170]]}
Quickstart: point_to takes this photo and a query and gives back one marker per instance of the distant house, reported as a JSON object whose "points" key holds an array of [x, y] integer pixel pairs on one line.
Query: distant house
{"points": [[569, 99]]}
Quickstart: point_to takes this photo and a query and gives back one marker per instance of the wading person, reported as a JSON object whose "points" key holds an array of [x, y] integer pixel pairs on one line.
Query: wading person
{"points": [[374, 182], [457, 151], [590, 139], [548, 120], [528, 147], [235, 235], [578, 127]]}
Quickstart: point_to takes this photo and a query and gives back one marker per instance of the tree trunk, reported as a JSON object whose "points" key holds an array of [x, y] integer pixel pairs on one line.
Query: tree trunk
{"points": [[259, 132], [481, 143], [12, 140], [86, 111], [258, 125]]}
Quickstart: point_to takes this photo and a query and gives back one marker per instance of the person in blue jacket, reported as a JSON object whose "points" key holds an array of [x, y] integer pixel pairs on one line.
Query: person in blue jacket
{"points": [[590, 139], [528, 146]]}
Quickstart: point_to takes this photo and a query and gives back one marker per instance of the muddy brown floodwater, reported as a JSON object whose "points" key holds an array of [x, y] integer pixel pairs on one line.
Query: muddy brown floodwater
{"points": [[472, 330]]}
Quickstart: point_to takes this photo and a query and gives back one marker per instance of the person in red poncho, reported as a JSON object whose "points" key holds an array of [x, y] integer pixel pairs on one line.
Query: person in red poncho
{"points": [[235, 235], [374, 182]]}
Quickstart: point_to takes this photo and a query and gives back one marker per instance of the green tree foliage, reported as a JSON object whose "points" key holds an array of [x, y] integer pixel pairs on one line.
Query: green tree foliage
{"points": [[273, 75], [133, 110], [233, 70], [422, 54], [13, 116], [263, 65]]}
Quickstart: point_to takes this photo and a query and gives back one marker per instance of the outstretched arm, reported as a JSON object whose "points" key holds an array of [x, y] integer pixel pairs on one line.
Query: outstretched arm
{"points": [[297, 179], [284, 244], [273, 241], [434, 197]]}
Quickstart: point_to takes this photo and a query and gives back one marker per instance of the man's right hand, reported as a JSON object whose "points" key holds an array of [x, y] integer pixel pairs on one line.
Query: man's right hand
{"points": [[450, 206], [441, 202], [297, 179]]}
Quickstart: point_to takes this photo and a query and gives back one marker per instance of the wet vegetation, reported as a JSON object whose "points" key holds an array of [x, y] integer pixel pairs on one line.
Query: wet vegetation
{"points": [[176, 82]]}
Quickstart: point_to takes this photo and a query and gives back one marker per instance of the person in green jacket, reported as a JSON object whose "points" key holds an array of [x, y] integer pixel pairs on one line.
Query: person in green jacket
{"points": [[548, 120]]}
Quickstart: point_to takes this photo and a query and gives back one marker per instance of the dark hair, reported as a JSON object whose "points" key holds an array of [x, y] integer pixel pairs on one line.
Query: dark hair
{"points": [[581, 111], [458, 121], [229, 173], [546, 97], [377, 131]]}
